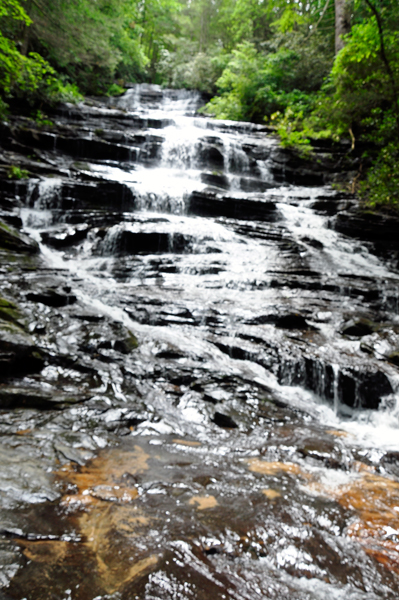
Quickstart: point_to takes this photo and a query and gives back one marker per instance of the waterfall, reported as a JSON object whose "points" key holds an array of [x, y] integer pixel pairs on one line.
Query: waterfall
{"points": [[215, 392]]}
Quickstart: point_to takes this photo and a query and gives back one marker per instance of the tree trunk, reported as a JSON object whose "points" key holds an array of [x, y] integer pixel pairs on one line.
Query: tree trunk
{"points": [[342, 23], [25, 36]]}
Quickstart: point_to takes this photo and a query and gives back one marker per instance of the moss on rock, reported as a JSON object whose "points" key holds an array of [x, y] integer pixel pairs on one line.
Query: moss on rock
{"points": [[10, 312], [11, 239]]}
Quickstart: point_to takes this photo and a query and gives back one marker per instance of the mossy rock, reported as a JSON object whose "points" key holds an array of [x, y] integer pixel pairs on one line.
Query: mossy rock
{"points": [[11, 239], [8, 328], [125, 341], [13, 261], [10, 312]]}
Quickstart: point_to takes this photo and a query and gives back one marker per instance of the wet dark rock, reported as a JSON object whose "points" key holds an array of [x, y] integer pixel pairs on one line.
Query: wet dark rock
{"points": [[80, 147], [37, 328], [210, 156], [314, 243], [105, 340], [213, 550], [368, 225], [216, 179], [334, 202], [364, 389], [89, 317], [210, 204], [292, 321], [169, 352], [135, 242], [259, 151], [9, 311], [390, 463], [68, 237], [10, 218], [358, 328], [319, 168], [295, 172], [394, 358], [235, 350], [99, 385], [273, 411], [324, 451], [378, 227], [14, 241], [52, 297], [97, 194], [349, 386], [18, 352], [222, 420], [28, 397], [126, 344], [251, 184], [287, 321]]}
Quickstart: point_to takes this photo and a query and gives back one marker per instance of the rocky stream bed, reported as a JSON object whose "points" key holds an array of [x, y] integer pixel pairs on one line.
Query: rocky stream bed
{"points": [[199, 351]]}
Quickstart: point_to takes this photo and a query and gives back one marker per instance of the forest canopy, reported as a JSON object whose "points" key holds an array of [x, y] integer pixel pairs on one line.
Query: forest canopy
{"points": [[315, 69]]}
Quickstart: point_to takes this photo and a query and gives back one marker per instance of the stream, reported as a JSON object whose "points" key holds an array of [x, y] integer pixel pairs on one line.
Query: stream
{"points": [[216, 414]]}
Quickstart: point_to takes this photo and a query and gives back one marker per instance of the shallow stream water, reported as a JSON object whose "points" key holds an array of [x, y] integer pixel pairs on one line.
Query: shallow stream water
{"points": [[248, 447]]}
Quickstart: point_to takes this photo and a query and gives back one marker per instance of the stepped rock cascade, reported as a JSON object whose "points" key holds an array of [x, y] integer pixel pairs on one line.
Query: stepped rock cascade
{"points": [[198, 364]]}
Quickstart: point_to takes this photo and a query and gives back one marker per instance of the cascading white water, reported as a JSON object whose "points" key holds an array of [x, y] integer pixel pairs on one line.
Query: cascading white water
{"points": [[247, 447], [223, 268]]}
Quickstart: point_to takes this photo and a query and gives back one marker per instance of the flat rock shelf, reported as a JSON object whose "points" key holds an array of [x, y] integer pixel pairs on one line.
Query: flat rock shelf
{"points": [[199, 351]]}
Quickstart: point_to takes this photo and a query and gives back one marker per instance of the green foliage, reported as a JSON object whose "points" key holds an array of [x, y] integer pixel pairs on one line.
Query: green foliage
{"points": [[159, 24], [238, 85], [185, 67], [361, 98], [13, 10], [264, 61], [28, 77], [115, 90], [381, 186], [76, 37], [3, 109], [292, 125], [361, 83], [256, 84], [87, 43], [15, 172], [41, 119], [285, 73]]}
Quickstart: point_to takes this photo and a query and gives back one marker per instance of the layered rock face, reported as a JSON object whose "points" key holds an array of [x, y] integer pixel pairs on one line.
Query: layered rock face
{"points": [[173, 290]]}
